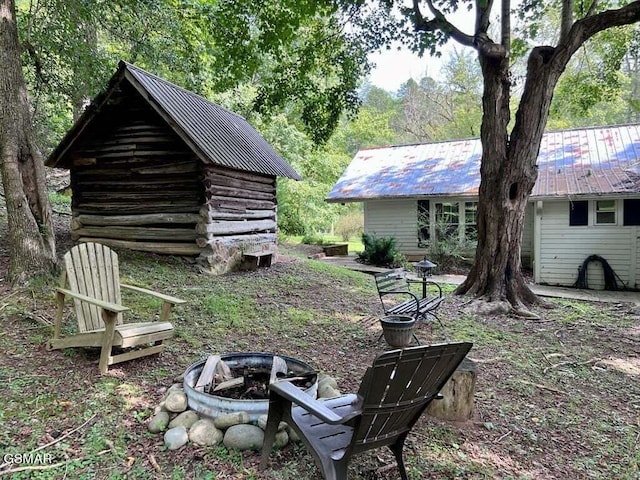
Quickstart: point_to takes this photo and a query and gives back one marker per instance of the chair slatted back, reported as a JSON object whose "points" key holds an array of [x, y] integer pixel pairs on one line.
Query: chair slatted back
{"points": [[398, 388], [91, 269], [392, 281]]}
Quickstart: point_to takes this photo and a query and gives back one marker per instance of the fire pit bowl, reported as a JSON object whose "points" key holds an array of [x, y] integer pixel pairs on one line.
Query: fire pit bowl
{"points": [[215, 405]]}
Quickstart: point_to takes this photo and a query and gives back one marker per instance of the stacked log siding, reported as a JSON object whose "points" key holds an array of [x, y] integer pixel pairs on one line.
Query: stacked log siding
{"points": [[136, 184], [240, 208]]}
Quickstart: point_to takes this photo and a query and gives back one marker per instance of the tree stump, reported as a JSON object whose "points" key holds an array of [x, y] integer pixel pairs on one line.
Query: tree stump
{"points": [[457, 404]]}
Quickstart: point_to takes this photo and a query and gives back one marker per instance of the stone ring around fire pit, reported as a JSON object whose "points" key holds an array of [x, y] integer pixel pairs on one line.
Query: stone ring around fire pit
{"points": [[250, 370]]}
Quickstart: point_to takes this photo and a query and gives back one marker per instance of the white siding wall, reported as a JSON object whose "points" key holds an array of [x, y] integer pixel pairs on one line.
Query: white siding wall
{"points": [[564, 248], [397, 218]]}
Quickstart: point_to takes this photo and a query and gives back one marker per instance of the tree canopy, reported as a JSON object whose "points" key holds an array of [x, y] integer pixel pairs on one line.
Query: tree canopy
{"points": [[298, 55]]}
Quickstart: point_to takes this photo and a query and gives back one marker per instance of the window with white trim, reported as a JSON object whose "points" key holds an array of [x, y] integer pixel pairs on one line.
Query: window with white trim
{"points": [[456, 221], [605, 212], [447, 220], [424, 226]]}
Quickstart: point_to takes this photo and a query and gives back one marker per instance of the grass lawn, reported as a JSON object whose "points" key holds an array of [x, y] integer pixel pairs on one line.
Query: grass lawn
{"points": [[557, 398], [355, 243]]}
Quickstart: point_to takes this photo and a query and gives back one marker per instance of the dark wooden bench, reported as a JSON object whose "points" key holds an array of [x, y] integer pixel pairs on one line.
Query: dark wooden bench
{"points": [[253, 260], [337, 249], [395, 284]]}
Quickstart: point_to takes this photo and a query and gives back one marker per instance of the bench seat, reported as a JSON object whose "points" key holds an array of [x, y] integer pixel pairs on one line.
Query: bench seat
{"points": [[254, 260], [395, 285]]}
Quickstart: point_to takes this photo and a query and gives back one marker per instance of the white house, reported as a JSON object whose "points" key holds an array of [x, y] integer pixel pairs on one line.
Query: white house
{"points": [[586, 200]]}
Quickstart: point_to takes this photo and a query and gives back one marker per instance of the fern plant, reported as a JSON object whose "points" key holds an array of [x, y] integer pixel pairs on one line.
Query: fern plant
{"points": [[380, 251]]}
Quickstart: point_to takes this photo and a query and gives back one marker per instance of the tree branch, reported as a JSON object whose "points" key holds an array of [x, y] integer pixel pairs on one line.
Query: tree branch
{"points": [[483, 11], [567, 18], [439, 22], [592, 8], [585, 28], [506, 26]]}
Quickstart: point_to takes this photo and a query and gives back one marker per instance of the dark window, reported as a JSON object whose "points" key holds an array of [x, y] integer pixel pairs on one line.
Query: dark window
{"points": [[423, 223], [578, 213], [631, 213], [471, 221]]}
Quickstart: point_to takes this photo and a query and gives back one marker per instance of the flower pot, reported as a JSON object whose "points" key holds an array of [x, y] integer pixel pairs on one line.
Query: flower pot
{"points": [[398, 330]]}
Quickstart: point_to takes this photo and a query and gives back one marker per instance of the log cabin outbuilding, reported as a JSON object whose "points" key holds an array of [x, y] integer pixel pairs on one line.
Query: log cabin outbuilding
{"points": [[157, 168], [584, 207]]}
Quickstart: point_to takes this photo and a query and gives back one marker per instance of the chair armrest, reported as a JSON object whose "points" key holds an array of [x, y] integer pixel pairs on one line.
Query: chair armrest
{"points": [[292, 393], [429, 282], [399, 292], [110, 307], [161, 296]]}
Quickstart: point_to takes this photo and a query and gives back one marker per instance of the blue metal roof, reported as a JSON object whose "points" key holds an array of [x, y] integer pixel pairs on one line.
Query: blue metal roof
{"points": [[592, 161]]}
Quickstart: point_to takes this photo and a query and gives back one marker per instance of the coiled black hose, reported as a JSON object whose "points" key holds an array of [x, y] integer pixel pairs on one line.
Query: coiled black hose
{"points": [[610, 276]]}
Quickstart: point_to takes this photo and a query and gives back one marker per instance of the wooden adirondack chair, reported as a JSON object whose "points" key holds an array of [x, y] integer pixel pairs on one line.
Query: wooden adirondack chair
{"points": [[91, 278], [393, 394]]}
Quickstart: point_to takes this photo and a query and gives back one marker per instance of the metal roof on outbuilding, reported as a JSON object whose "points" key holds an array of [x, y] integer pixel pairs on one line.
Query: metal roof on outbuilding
{"points": [[215, 134], [591, 161]]}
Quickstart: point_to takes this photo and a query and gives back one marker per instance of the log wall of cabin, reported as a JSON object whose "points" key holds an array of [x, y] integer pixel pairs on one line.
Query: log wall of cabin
{"points": [[136, 184], [240, 211]]}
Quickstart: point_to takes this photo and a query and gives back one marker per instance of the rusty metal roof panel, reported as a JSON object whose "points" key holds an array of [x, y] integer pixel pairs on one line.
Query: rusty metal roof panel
{"points": [[592, 161], [222, 137], [411, 170]]}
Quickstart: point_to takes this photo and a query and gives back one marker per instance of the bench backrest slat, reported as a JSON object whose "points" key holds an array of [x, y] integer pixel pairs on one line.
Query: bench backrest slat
{"points": [[392, 281]]}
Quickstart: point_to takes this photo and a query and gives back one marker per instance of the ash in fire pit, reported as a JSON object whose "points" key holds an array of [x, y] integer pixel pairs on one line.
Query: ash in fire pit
{"points": [[239, 382]]}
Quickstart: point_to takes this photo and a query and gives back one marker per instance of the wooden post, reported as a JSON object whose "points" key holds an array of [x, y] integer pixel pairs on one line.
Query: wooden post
{"points": [[457, 404]]}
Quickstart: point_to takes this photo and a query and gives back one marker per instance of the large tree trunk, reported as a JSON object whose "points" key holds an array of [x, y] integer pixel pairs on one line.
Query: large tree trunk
{"points": [[31, 239], [508, 174]]}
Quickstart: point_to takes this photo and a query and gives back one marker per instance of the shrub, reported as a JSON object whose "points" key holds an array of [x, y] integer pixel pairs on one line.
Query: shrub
{"points": [[381, 251], [449, 253], [350, 225], [312, 239]]}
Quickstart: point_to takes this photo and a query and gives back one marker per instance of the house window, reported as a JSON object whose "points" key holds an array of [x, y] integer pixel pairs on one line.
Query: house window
{"points": [[605, 212], [450, 221], [631, 215], [447, 220], [424, 233], [471, 221], [578, 213]]}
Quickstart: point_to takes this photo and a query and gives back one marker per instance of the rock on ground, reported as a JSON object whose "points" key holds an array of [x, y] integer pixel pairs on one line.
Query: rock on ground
{"points": [[244, 437]]}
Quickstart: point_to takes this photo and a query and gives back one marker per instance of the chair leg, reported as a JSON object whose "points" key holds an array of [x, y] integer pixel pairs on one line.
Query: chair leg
{"points": [[397, 451], [334, 470], [275, 415], [436, 317], [109, 319]]}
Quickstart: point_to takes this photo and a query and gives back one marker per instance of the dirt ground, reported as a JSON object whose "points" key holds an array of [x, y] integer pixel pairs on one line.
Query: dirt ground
{"points": [[557, 398]]}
